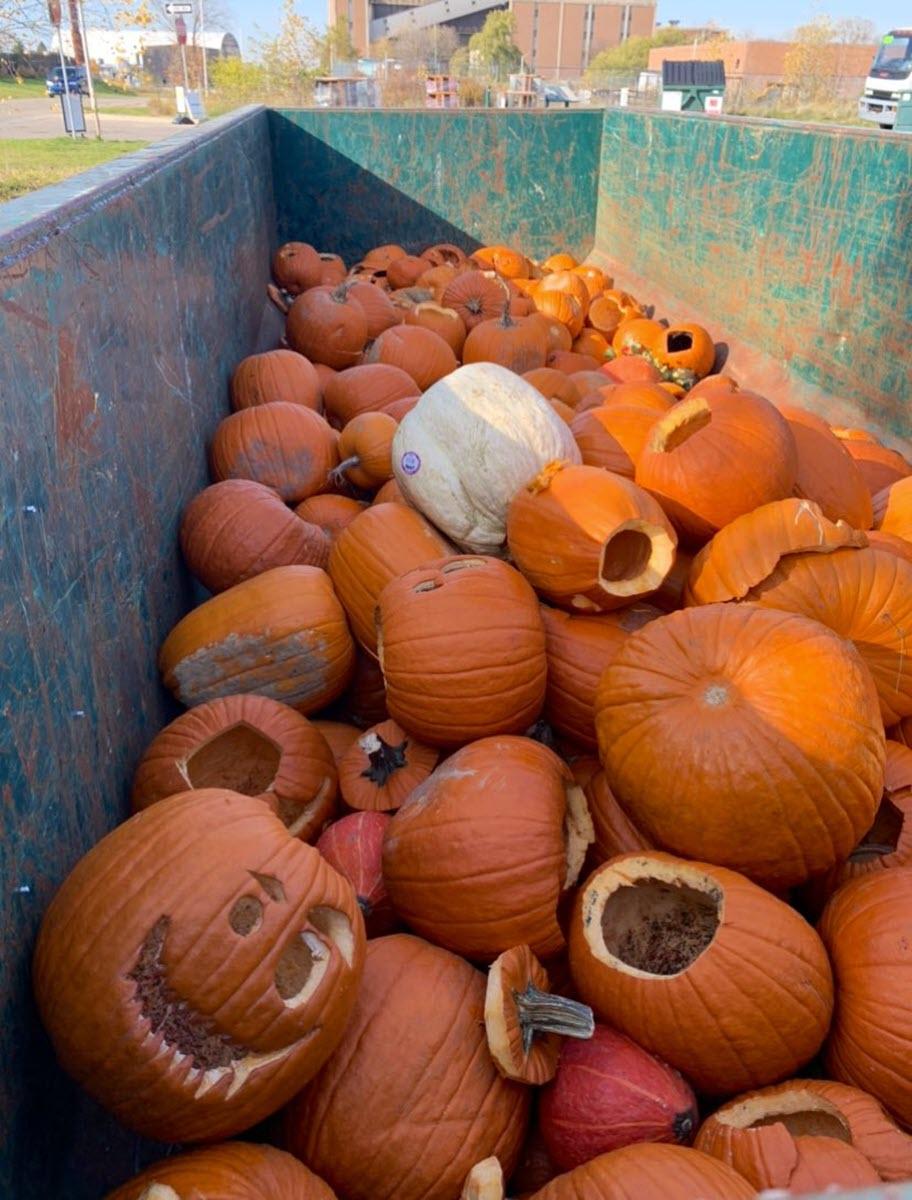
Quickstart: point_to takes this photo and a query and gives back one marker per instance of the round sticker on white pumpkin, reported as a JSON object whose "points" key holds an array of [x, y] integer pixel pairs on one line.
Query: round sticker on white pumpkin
{"points": [[410, 463]]}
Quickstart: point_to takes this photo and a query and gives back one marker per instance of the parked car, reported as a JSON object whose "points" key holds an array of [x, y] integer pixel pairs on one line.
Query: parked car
{"points": [[77, 81]]}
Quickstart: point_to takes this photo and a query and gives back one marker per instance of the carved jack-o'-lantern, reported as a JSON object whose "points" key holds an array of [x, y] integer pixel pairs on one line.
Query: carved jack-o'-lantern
{"points": [[198, 966]]}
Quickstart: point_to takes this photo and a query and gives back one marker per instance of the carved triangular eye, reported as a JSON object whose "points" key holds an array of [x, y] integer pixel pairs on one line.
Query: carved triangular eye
{"points": [[270, 885], [336, 927]]}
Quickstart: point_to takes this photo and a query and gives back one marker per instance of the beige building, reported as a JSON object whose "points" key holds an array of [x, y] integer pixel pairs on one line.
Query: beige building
{"points": [[558, 38]]}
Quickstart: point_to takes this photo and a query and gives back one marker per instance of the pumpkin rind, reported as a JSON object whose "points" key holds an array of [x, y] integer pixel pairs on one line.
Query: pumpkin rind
{"points": [[282, 634], [649, 1172], [198, 965], [702, 967], [780, 713], [412, 1068]]}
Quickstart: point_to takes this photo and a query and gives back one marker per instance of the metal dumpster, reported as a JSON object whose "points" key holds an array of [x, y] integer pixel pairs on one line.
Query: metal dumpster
{"points": [[126, 296]]}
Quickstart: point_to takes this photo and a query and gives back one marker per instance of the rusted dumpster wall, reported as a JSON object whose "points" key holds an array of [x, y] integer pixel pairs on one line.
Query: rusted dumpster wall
{"points": [[347, 181], [125, 298], [794, 238]]}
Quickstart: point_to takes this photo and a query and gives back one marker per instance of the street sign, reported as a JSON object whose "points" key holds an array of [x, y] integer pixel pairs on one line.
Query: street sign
{"points": [[172, 9], [73, 113]]}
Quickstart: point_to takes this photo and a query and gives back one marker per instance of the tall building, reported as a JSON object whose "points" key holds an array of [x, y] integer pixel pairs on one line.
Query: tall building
{"points": [[558, 38]]}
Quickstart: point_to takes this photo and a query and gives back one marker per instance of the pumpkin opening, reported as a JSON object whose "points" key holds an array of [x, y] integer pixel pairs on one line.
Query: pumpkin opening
{"points": [[301, 966], [246, 915], [625, 555], [579, 832], [803, 1114], [239, 758], [659, 927], [383, 759], [883, 836], [336, 927], [636, 559], [679, 423], [678, 340], [807, 1123]]}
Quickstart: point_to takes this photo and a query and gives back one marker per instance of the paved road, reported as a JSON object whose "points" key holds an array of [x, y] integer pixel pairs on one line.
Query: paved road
{"points": [[42, 119]]}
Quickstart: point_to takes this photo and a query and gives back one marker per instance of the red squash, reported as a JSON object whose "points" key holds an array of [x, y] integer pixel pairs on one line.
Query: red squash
{"points": [[353, 846]]}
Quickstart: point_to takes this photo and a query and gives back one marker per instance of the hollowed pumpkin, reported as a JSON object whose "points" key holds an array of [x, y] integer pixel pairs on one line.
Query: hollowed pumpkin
{"points": [[234, 1171]]}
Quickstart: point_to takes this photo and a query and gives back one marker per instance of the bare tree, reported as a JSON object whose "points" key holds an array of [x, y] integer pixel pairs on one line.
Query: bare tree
{"points": [[431, 48], [21, 22]]}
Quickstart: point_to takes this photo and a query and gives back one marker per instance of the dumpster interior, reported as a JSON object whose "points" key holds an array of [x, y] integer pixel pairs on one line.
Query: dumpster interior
{"points": [[128, 294]]}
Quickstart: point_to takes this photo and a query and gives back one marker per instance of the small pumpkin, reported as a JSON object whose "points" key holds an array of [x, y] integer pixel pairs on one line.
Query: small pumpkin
{"points": [[329, 513], [328, 325], [438, 279], [570, 284], [572, 363], [383, 767], [282, 634], [662, 948], [649, 1171], [379, 257], [684, 345], [505, 261], [296, 267], [421, 353], [604, 315], [366, 388], [286, 447], [479, 667], [444, 253], [332, 270], [275, 375], [592, 343], [365, 446], [587, 540], [635, 334], [560, 261], [445, 322], [353, 846], [596, 280], [248, 744], [237, 529], [475, 297], [559, 336], [564, 307], [516, 345], [607, 1093]]}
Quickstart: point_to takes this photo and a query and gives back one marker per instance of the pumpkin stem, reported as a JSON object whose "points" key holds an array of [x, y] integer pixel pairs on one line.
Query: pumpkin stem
{"points": [[539, 1012], [340, 293], [280, 299], [337, 475], [385, 760], [542, 480]]}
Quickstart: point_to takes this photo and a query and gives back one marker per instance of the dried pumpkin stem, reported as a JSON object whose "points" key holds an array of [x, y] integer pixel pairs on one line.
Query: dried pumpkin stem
{"points": [[540, 1012], [385, 760], [337, 475]]}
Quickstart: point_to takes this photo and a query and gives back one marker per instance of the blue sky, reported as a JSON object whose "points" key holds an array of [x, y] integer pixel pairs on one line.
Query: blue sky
{"points": [[761, 18]]}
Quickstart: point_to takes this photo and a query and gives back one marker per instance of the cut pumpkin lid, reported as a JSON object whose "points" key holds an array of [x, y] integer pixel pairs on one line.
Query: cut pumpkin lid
{"points": [[747, 551], [524, 1023]]}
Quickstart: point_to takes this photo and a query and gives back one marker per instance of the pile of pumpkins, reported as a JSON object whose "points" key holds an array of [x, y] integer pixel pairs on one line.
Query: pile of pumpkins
{"points": [[540, 820]]}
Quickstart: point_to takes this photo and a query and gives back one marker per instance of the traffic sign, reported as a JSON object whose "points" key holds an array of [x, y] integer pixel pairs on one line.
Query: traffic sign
{"points": [[173, 8]]}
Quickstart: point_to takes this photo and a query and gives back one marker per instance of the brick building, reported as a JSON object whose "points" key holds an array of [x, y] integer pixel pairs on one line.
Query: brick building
{"points": [[558, 38]]}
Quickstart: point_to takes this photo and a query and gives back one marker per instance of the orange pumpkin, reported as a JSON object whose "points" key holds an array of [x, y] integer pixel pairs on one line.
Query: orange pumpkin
{"points": [[649, 1171], [282, 634], [595, 432], [406, 271], [506, 262], [380, 257], [559, 336], [379, 545], [445, 322], [684, 346], [379, 310], [827, 473], [332, 270], [631, 368], [367, 388], [247, 744], [479, 855], [636, 334], [570, 284], [475, 297], [614, 831], [572, 363], [711, 459], [328, 325], [638, 395], [890, 543], [365, 445], [587, 540], [296, 267], [770, 694], [383, 767], [595, 280], [233, 1171], [275, 375], [703, 968], [337, 735], [438, 279], [218, 982], [516, 345], [893, 509], [559, 261], [284, 446], [421, 353], [554, 385], [237, 529], [604, 315], [563, 306], [479, 667], [390, 493], [329, 513], [592, 343], [879, 465]]}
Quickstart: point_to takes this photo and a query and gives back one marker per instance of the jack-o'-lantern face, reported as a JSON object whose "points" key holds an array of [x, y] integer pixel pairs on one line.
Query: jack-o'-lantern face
{"points": [[198, 966]]}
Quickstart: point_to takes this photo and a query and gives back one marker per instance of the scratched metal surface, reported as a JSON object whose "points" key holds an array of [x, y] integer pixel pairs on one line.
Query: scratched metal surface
{"points": [[349, 180], [125, 298], [794, 239]]}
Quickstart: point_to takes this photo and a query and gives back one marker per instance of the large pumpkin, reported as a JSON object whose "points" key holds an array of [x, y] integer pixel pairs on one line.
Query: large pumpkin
{"points": [[285, 446], [649, 1172], [282, 634], [702, 967], [827, 473], [411, 1100], [470, 443], [480, 854], [744, 738], [233, 1171], [197, 966], [367, 388], [421, 353], [867, 929], [478, 667], [275, 375], [587, 540], [755, 1133], [710, 459], [236, 529], [518, 345], [380, 544], [247, 744]]}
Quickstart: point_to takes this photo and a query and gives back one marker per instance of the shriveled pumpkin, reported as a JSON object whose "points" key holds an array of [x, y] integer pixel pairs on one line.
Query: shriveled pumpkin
{"points": [[756, 1133], [412, 1070], [866, 928], [649, 1172], [247, 744], [329, 326], [587, 540], [236, 529], [379, 545], [725, 701], [827, 473], [514, 344], [286, 447], [578, 649], [275, 375], [479, 855], [713, 458], [329, 513], [197, 966], [383, 767], [364, 448], [707, 970], [478, 667], [353, 846], [282, 634], [367, 388], [470, 443], [233, 1171]]}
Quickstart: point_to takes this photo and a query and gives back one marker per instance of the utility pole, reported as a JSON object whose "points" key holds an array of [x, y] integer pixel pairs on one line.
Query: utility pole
{"points": [[56, 20], [203, 40], [88, 66]]}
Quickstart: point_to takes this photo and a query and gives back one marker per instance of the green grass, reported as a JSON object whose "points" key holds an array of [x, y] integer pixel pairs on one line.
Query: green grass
{"points": [[30, 163], [31, 89]]}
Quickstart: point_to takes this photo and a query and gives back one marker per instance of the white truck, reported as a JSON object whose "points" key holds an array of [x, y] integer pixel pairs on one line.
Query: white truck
{"points": [[889, 79]]}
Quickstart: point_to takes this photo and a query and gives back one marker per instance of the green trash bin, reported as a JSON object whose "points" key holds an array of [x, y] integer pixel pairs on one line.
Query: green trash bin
{"points": [[687, 86]]}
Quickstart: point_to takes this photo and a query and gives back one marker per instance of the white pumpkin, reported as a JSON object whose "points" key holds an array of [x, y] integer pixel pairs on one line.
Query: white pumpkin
{"points": [[469, 444]]}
